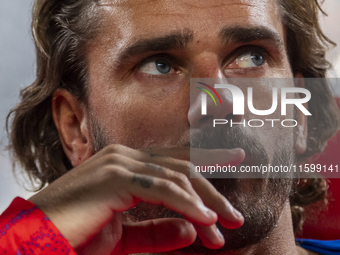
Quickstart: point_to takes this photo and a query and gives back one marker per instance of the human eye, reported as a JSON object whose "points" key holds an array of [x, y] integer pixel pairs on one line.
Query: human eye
{"points": [[157, 66], [248, 59]]}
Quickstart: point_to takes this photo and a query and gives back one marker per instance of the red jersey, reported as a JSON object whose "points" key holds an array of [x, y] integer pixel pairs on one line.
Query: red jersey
{"points": [[25, 229]]}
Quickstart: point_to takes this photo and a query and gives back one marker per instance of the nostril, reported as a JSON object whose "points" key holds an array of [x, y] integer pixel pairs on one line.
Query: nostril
{"points": [[230, 116], [205, 119], [209, 119], [236, 118]]}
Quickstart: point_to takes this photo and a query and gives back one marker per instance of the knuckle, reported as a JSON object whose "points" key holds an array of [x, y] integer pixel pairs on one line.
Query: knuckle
{"points": [[181, 178], [111, 159], [195, 202], [166, 186], [113, 148], [110, 149], [111, 173]]}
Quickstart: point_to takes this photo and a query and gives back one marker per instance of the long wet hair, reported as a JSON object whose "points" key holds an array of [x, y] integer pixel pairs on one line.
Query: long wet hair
{"points": [[62, 29]]}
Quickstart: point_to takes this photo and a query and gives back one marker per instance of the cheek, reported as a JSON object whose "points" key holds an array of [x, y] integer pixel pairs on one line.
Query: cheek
{"points": [[139, 121]]}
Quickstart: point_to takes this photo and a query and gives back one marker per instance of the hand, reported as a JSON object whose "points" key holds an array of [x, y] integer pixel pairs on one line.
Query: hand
{"points": [[86, 203]]}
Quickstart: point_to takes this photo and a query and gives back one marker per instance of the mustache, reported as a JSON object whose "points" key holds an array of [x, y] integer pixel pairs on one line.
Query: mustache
{"points": [[228, 138]]}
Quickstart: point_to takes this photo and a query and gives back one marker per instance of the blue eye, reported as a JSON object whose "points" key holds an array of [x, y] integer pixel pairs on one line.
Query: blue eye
{"points": [[163, 65], [247, 60], [157, 66], [257, 58]]}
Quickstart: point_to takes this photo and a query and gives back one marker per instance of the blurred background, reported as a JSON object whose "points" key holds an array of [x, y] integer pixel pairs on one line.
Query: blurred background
{"points": [[17, 70]]}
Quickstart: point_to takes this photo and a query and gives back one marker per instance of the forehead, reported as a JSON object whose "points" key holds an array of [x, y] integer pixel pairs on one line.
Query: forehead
{"points": [[129, 20]]}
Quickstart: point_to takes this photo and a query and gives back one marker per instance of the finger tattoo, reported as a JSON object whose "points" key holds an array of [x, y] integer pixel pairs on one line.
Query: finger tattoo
{"points": [[154, 166], [145, 182], [152, 155]]}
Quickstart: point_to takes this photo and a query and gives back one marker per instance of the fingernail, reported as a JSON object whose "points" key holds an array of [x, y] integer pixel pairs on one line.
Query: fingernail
{"points": [[237, 214], [219, 234], [236, 150]]}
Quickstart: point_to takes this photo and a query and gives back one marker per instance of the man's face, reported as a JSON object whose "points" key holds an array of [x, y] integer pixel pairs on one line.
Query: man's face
{"points": [[145, 54], [139, 105]]}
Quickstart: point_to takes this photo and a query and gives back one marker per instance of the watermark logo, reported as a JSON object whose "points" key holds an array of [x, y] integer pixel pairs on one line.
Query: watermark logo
{"points": [[204, 97], [239, 99]]}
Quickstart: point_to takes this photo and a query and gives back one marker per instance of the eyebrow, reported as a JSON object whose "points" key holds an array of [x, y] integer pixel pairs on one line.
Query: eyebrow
{"points": [[174, 41], [246, 35], [180, 39]]}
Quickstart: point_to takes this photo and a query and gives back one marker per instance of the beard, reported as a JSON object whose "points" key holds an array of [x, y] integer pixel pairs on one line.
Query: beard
{"points": [[260, 201]]}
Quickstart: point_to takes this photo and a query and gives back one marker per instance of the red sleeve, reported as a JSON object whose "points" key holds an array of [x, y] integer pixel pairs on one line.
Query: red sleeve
{"points": [[26, 230]]}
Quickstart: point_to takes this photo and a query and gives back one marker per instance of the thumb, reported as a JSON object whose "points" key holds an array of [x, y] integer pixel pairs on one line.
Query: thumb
{"points": [[159, 235]]}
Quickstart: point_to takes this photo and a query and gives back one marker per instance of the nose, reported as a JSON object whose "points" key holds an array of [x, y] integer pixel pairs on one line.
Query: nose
{"points": [[218, 102]]}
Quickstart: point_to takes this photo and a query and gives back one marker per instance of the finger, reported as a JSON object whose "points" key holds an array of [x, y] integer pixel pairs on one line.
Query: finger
{"points": [[201, 156], [159, 191], [200, 184], [153, 170], [229, 217], [211, 236], [157, 236]]}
